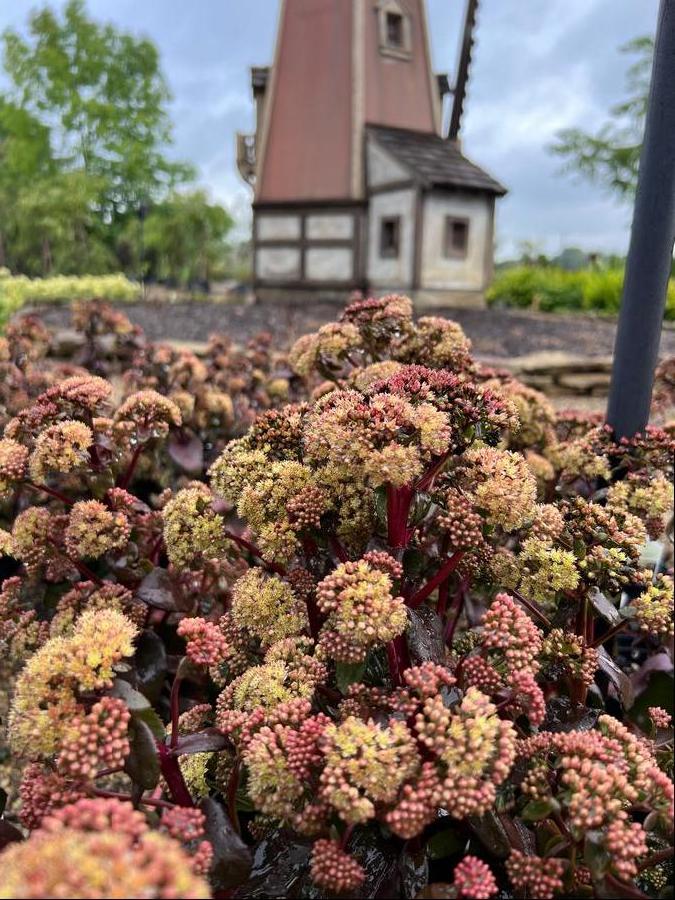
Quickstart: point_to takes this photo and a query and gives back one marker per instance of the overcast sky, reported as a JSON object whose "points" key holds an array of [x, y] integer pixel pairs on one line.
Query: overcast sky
{"points": [[539, 66]]}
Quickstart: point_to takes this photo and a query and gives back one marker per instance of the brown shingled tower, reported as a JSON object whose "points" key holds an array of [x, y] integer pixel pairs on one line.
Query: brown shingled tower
{"points": [[354, 186]]}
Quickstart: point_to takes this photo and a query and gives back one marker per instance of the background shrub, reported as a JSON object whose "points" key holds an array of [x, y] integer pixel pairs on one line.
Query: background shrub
{"points": [[553, 289], [18, 290]]}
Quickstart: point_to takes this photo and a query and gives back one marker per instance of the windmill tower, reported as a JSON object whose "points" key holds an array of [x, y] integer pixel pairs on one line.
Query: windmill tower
{"points": [[354, 184]]}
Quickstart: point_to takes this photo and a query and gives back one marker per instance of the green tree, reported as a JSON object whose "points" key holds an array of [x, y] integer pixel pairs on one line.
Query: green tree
{"points": [[25, 155], [611, 155], [185, 239], [101, 94], [56, 229]]}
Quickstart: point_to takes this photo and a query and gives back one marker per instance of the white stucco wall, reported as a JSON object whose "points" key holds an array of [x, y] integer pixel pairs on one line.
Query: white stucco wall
{"points": [[472, 272], [329, 226], [277, 228], [329, 264], [394, 273], [382, 168], [277, 263]]}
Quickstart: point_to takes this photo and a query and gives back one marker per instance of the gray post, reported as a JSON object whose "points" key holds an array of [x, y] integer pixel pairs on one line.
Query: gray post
{"points": [[650, 254]]}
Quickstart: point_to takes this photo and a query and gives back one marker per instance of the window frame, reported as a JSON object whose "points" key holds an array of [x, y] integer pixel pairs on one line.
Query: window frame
{"points": [[393, 252], [450, 251], [402, 50]]}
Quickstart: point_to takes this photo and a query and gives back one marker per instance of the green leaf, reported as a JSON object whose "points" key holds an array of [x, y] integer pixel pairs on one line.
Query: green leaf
{"points": [[617, 677], [445, 843], [152, 720], [604, 607], [142, 763], [133, 698], [157, 590], [536, 810], [348, 673], [208, 741], [150, 663]]}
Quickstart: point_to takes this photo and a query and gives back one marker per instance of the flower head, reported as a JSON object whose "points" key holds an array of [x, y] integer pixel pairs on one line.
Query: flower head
{"points": [[61, 448], [539, 877], [151, 414], [546, 571], [474, 880], [361, 610], [326, 349], [94, 530], [46, 697], [97, 740], [653, 609], [13, 465], [99, 848], [660, 717], [365, 764], [509, 631], [206, 643], [267, 608], [193, 531], [504, 488], [333, 869]]}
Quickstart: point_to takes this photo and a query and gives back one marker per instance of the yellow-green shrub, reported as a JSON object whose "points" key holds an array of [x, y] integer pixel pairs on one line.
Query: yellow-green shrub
{"points": [[18, 290]]}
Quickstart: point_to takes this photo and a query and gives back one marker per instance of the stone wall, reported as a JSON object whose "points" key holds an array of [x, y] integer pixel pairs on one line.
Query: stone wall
{"points": [[560, 374]]}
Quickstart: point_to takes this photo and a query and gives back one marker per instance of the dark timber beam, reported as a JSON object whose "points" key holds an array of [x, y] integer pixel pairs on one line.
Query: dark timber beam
{"points": [[459, 90]]}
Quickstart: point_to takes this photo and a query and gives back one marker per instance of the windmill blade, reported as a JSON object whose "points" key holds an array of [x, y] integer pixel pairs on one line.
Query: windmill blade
{"points": [[463, 70]]}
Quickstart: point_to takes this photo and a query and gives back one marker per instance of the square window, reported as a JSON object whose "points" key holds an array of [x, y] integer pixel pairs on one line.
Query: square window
{"points": [[394, 29], [456, 238], [390, 233]]}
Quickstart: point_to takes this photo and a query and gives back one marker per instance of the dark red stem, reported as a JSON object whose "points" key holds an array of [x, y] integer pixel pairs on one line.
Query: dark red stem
{"points": [[458, 606], [313, 617], [338, 549], [398, 508], [443, 594], [156, 549], [173, 776], [126, 478], [344, 840], [57, 495], [446, 569], [86, 572], [431, 473], [83, 569], [175, 710], [532, 607], [254, 551], [392, 659]]}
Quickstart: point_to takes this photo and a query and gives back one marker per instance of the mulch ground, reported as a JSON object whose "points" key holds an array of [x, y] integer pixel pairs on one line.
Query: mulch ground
{"points": [[494, 332]]}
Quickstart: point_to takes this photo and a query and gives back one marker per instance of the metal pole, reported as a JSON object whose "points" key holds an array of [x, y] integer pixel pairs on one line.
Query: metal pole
{"points": [[650, 254]]}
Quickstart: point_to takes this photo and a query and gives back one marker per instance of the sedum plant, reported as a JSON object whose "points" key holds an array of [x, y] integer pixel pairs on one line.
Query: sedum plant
{"points": [[394, 643]]}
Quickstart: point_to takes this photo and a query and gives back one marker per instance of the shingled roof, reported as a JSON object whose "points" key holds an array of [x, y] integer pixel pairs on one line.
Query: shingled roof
{"points": [[434, 160]]}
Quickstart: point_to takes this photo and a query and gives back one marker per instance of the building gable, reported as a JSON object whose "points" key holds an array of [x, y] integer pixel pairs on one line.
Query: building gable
{"points": [[382, 168]]}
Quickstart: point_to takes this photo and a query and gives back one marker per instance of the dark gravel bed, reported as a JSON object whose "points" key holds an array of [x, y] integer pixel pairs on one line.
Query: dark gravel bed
{"points": [[494, 332]]}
